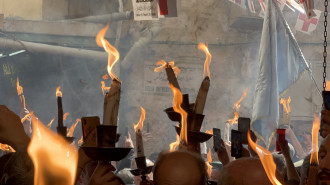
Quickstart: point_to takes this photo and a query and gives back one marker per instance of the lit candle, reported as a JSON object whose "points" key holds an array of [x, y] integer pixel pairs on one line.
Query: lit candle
{"points": [[111, 104], [59, 107]]}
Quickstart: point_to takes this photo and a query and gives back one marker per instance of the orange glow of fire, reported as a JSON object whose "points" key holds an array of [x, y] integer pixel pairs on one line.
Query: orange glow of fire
{"points": [[209, 131], [208, 163], [104, 88], [162, 64], [139, 125], [72, 128], [6, 148], [175, 144], [316, 127], [266, 159], [177, 101], [236, 107], [286, 104], [65, 116], [113, 54], [203, 47], [80, 141], [50, 123], [58, 92], [53, 157]]}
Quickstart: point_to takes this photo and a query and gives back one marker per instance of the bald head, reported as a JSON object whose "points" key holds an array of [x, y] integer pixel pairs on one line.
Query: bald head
{"points": [[180, 168], [245, 171]]}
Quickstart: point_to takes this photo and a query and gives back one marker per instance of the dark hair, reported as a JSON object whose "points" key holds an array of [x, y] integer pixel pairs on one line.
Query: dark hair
{"points": [[198, 159], [16, 168]]}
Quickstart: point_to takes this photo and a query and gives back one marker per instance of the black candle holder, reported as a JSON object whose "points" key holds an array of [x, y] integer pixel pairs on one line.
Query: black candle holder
{"points": [[106, 150], [62, 131], [194, 121], [142, 168]]}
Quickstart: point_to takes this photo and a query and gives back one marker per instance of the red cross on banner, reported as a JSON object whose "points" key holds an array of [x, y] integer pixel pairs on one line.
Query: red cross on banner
{"points": [[306, 25]]}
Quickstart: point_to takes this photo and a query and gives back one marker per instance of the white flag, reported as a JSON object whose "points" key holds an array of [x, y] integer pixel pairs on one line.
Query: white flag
{"points": [[306, 25], [280, 64]]}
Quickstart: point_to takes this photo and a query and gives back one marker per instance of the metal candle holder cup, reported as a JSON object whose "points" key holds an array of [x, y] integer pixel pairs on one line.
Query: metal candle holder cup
{"points": [[142, 168], [106, 135]]}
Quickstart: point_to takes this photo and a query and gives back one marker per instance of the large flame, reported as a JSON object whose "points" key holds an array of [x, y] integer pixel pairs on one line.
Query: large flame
{"points": [[175, 144], [177, 101], [236, 107], [139, 125], [266, 159], [53, 157], [208, 163], [6, 148], [50, 123], [20, 93], [113, 54], [286, 104], [72, 128], [203, 47], [316, 127], [162, 64], [58, 92]]}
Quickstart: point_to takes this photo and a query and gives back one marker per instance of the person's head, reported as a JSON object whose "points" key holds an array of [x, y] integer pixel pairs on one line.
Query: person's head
{"points": [[324, 162], [16, 168], [180, 168], [245, 171], [138, 179], [304, 170], [126, 176], [216, 168]]}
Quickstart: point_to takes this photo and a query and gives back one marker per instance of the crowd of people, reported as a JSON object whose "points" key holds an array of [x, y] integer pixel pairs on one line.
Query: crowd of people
{"points": [[181, 167]]}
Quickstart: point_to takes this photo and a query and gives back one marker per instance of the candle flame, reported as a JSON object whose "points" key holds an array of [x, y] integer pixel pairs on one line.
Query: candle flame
{"points": [[53, 157], [58, 92], [26, 117], [72, 128], [236, 107], [286, 105], [105, 77], [139, 125], [203, 47], [175, 144], [162, 64], [267, 160], [177, 101], [20, 93], [81, 140], [208, 163], [209, 131], [50, 123], [316, 127], [65, 116], [6, 148], [113, 54], [104, 88]]}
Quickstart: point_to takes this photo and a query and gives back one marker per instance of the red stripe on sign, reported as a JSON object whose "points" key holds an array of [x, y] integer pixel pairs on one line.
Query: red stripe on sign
{"points": [[163, 7]]}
